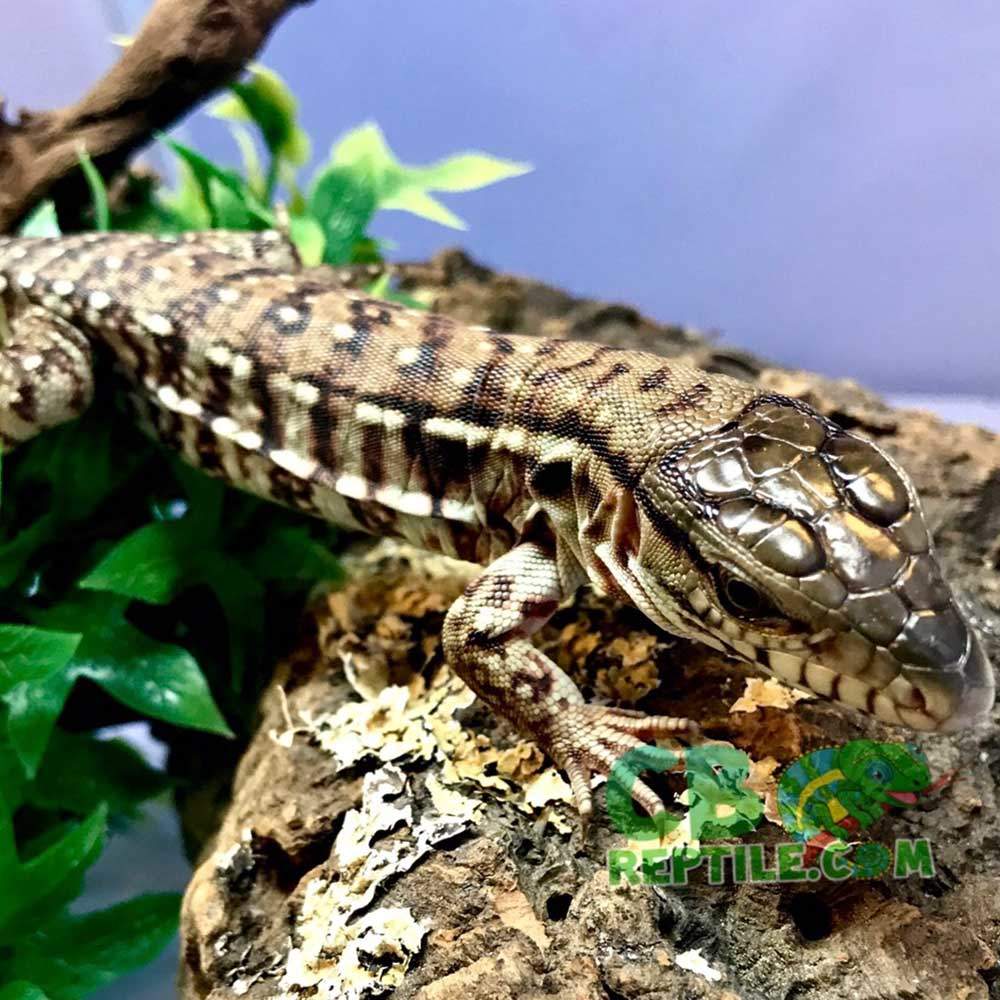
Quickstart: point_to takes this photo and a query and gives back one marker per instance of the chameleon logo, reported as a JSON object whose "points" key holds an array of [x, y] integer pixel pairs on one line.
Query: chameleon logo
{"points": [[719, 805], [830, 794]]}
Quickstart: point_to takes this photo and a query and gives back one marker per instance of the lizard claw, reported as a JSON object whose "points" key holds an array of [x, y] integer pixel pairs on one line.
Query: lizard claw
{"points": [[589, 739]]}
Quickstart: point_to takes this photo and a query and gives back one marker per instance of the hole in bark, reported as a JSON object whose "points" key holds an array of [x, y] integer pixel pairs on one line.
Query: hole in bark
{"points": [[672, 917], [812, 916], [990, 976], [557, 905]]}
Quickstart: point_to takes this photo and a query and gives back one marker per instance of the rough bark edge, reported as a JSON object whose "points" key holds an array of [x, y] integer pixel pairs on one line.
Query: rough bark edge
{"points": [[185, 50]]}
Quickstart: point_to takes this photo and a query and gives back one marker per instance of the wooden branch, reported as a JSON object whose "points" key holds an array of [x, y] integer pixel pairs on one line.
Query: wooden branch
{"points": [[184, 51]]}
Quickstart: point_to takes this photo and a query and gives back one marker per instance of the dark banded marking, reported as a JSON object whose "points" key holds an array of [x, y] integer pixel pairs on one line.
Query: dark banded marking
{"points": [[615, 371], [689, 399], [656, 380], [552, 480], [373, 437]]}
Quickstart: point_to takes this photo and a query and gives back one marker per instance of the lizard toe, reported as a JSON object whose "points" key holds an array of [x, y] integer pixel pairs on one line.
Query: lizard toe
{"points": [[594, 739]]}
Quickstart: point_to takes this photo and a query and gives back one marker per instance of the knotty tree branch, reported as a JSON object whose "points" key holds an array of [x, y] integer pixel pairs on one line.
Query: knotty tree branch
{"points": [[184, 51]]}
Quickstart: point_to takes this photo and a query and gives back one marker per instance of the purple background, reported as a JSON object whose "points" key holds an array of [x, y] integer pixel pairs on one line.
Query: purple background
{"points": [[819, 181]]}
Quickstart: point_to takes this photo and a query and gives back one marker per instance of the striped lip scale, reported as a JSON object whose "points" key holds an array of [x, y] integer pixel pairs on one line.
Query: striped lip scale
{"points": [[739, 518]]}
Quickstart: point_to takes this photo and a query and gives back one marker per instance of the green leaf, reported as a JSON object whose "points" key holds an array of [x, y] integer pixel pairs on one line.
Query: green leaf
{"points": [[22, 990], [187, 204], [364, 175], [228, 210], [291, 553], [466, 172], [75, 955], [32, 713], [381, 287], [309, 239], [149, 565], [365, 152], [17, 551], [43, 221], [205, 500], [216, 185], [79, 772], [139, 208], [364, 145], [343, 201], [84, 454], [12, 782], [154, 678], [266, 100], [98, 191], [8, 843], [158, 560], [384, 288], [32, 654], [297, 202], [251, 161], [33, 884], [241, 596], [370, 251], [417, 202]]}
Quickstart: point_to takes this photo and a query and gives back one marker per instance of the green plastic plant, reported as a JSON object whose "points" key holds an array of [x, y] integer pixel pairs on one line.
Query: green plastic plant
{"points": [[329, 217], [134, 587]]}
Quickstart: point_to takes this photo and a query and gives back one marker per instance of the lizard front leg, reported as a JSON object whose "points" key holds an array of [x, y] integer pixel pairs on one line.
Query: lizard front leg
{"points": [[46, 373], [486, 639]]}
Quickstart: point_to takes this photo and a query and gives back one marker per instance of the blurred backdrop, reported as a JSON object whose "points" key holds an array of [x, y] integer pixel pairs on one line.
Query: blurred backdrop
{"points": [[819, 181]]}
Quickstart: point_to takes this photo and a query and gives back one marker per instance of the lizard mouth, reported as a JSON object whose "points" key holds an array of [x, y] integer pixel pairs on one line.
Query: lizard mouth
{"points": [[903, 798]]}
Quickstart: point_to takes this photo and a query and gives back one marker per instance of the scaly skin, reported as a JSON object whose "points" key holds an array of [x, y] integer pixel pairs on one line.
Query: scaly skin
{"points": [[733, 516]]}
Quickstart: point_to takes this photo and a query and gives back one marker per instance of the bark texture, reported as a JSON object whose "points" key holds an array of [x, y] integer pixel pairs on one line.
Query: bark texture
{"points": [[184, 51], [406, 840]]}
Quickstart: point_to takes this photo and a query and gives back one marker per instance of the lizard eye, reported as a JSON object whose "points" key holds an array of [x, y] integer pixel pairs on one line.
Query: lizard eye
{"points": [[743, 599], [880, 772]]}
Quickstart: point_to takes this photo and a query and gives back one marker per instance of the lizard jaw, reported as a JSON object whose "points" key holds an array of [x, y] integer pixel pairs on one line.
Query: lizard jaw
{"points": [[926, 699]]}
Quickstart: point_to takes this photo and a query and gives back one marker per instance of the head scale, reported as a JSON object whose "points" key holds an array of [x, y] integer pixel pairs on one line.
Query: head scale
{"points": [[784, 540]]}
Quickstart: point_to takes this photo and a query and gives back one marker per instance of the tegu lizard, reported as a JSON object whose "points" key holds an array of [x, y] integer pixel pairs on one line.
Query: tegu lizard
{"points": [[726, 513]]}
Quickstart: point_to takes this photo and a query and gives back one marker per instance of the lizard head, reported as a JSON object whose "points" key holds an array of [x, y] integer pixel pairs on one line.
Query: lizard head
{"points": [[788, 542], [892, 773]]}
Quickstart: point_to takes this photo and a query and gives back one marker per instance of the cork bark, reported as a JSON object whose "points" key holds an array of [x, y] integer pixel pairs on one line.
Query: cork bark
{"points": [[385, 832]]}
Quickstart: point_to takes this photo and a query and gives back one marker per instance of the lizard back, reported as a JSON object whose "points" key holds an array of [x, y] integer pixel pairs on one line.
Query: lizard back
{"points": [[365, 413]]}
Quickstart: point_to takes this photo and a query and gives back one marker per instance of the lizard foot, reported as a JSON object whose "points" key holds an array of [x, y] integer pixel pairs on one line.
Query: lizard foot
{"points": [[589, 739]]}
